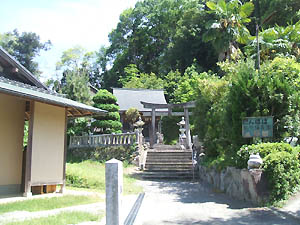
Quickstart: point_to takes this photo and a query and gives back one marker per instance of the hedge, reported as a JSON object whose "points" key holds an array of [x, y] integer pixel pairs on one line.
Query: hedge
{"points": [[281, 166]]}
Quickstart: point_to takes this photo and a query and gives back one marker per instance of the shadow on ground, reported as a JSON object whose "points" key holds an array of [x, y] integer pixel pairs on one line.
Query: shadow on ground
{"points": [[254, 217]]}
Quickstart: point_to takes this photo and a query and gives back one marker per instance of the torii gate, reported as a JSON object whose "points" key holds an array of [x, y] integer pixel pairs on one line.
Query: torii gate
{"points": [[185, 106]]}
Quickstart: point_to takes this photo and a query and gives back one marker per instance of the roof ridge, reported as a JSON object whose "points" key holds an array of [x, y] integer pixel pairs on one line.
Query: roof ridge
{"points": [[138, 89]]}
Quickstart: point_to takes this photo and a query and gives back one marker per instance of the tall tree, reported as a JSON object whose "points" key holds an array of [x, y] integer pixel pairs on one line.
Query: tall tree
{"points": [[284, 12], [73, 70], [152, 36], [227, 28], [24, 47]]}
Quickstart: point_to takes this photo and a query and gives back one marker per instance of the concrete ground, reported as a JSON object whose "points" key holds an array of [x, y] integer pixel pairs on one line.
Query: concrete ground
{"points": [[171, 202], [186, 203]]}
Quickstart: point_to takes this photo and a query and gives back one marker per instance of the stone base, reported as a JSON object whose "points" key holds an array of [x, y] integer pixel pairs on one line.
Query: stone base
{"points": [[10, 189], [242, 184]]}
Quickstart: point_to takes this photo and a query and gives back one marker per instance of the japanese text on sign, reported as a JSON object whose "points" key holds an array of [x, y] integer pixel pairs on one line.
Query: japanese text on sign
{"points": [[257, 127]]}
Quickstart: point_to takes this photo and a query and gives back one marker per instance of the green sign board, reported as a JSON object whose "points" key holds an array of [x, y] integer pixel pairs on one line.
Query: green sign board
{"points": [[257, 127]]}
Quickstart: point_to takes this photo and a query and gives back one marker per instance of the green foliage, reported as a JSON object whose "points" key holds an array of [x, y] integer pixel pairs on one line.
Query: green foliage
{"points": [[76, 87], [102, 154], [276, 41], [157, 36], [107, 107], [209, 115], [62, 218], [131, 115], [25, 138], [112, 116], [25, 47], [273, 92], [222, 103], [109, 123], [135, 79], [281, 165], [170, 129], [171, 83], [77, 127], [34, 205], [278, 12], [105, 97], [91, 175], [108, 126], [188, 87], [74, 69], [228, 25]]}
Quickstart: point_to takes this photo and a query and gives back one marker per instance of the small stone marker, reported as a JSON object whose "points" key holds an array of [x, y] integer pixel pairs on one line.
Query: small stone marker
{"points": [[113, 190]]}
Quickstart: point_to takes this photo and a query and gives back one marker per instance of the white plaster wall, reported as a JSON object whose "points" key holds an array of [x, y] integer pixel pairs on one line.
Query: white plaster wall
{"points": [[48, 144], [12, 114]]}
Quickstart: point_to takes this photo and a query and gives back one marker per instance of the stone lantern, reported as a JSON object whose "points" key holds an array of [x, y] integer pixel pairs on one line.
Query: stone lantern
{"points": [[182, 135], [139, 125], [254, 163]]}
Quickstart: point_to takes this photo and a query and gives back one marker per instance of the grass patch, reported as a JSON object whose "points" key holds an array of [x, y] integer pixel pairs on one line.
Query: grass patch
{"points": [[61, 219], [48, 203], [91, 175]]}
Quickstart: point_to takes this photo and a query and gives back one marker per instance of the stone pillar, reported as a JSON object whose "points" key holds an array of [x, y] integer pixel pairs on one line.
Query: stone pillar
{"points": [[187, 127], [113, 190], [152, 134]]}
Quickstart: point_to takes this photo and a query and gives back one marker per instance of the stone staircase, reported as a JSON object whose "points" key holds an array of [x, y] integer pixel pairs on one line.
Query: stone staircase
{"points": [[168, 162]]}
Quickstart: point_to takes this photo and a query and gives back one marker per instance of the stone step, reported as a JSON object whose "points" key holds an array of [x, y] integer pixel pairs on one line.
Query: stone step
{"points": [[166, 147], [171, 155], [169, 175], [167, 161], [169, 151], [167, 168]]}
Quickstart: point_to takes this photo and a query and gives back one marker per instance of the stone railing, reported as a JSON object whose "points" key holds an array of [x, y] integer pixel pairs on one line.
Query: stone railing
{"points": [[103, 140]]}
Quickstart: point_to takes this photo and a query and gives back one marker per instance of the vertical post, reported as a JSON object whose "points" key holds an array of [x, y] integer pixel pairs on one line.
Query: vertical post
{"points": [[152, 140], [113, 190], [187, 127], [27, 187], [65, 152]]}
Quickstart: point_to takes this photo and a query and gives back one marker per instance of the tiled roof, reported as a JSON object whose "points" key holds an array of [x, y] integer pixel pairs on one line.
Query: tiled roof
{"points": [[33, 93], [131, 98]]}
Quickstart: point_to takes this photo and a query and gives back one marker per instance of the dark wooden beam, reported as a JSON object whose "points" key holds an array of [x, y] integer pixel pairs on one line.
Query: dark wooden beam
{"points": [[78, 111], [27, 188], [149, 105]]}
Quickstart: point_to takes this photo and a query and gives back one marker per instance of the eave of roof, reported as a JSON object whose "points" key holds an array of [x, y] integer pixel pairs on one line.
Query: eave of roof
{"points": [[27, 74], [33, 93]]}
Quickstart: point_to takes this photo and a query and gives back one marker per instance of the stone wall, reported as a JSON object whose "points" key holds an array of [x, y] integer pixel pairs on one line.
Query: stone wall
{"points": [[237, 183]]}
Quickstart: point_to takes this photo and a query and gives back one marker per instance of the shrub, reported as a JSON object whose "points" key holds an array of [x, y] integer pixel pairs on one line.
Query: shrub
{"points": [[281, 166], [109, 123], [107, 107], [131, 115], [102, 154], [222, 103]]}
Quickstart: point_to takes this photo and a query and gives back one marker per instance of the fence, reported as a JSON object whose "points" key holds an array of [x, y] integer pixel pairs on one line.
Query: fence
{"points": [[103, 140]]}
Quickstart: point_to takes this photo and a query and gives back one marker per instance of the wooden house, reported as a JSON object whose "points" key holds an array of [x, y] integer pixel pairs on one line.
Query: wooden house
{"points": [[24, 98]]}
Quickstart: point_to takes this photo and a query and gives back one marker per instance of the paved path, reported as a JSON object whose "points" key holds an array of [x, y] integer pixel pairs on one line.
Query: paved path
{"points": [[188, 203]]}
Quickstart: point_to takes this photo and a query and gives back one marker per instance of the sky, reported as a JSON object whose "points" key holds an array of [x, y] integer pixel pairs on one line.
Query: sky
{"points": [[66, 23]]}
